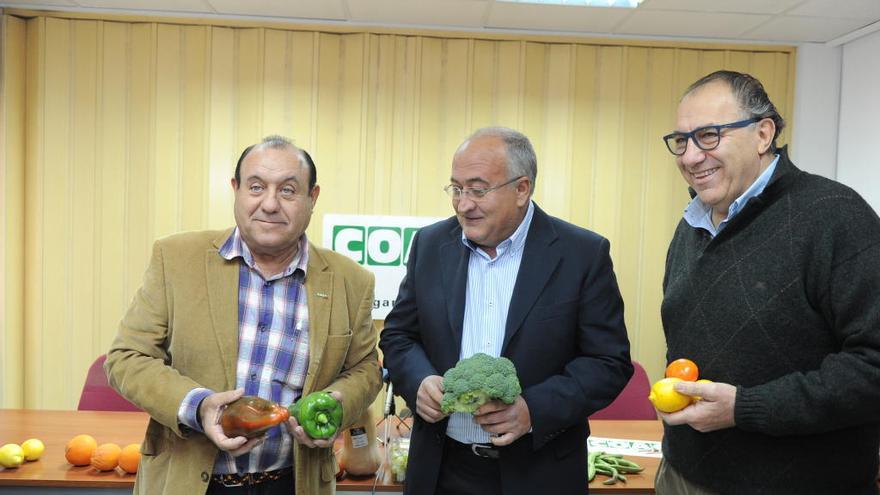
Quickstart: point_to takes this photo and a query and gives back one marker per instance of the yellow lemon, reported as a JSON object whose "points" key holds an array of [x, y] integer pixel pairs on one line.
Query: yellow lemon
{"points": [[33, 449], [697, 397], [11, 455], [665, 398]]}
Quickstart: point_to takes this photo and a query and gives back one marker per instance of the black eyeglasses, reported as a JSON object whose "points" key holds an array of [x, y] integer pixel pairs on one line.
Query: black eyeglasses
{"points": [[475, 193], [706, 138]]}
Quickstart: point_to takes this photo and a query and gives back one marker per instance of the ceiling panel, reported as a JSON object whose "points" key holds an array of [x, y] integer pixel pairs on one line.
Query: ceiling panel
{"points": [[198, 6], [739, 6], [793, 20], [810, 29], [304, 9], [850, 9], [556, 17], [467, 13], [690, 24], [30, 4]]}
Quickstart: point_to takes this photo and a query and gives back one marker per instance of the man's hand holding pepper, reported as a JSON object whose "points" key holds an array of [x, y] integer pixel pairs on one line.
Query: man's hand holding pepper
{"points": [[210, 410], [303, 438]]}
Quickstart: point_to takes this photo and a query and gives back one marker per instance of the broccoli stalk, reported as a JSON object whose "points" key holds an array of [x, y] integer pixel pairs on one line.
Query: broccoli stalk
{"points": [[477, 380]]}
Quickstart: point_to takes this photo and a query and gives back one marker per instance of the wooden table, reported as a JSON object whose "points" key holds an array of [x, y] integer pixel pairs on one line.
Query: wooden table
{"points": [[52, 473]]}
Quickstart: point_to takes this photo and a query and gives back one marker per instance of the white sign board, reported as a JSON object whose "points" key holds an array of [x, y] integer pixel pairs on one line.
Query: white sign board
{"points": [[380, 244], [624, 446]]}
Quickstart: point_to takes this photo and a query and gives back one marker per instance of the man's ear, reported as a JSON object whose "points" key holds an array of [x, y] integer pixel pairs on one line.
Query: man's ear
{"points": [[313, 195], [766, 133], [523, 189], [234, 183]]}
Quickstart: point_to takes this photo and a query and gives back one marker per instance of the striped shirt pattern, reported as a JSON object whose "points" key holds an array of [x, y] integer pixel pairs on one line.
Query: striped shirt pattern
{"points": [[490, 283], [273, 351]]}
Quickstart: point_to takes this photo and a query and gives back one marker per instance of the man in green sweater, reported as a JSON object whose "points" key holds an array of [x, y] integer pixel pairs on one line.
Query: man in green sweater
{"points": [[772, 287]]}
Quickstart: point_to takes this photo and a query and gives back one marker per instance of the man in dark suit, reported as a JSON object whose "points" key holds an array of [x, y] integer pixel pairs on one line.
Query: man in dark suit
{"points": [[504, 278]]}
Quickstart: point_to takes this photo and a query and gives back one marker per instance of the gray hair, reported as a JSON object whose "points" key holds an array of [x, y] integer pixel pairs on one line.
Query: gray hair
{"points": [[275, 142], [521, 159], [749, 93]]}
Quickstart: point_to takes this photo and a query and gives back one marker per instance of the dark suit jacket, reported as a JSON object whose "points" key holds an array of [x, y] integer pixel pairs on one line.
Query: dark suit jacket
{"points": [[565, 334]]}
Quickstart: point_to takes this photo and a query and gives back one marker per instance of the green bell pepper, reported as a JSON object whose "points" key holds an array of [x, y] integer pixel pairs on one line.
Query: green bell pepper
{"points": [[318, 413]]}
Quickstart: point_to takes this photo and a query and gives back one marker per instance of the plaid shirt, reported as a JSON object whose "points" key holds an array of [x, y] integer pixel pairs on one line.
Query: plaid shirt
{"points": [[273, 351]]}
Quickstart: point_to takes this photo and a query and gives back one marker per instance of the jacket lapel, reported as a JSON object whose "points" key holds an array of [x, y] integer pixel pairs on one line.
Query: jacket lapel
{"points": [[319, 293], [454, 267], [222, 277], [539, 260]]}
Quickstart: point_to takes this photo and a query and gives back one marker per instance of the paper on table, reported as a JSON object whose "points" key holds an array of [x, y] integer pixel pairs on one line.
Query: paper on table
{"points": [[638, 448]]}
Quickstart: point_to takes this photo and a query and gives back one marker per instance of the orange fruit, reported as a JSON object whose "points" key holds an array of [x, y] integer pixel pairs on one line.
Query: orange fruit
{"points": [[665, 398], [130, 457], [106, 457], [683, 368], [79, 450]]}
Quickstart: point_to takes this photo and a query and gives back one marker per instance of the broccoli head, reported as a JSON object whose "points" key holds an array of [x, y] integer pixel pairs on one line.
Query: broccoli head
{"points": [[477, 380]]}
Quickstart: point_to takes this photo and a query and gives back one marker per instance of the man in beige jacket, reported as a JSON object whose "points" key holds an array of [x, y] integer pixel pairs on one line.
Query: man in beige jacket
{"points": [[253, 310]]}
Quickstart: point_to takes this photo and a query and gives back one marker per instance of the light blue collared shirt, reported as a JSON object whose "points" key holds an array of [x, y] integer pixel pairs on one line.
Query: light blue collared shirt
{"points": [[699, 215], [490, 283]]}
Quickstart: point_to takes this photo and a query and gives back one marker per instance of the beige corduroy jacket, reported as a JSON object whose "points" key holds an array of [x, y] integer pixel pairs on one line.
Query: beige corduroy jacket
{"points": [[181, 332]]}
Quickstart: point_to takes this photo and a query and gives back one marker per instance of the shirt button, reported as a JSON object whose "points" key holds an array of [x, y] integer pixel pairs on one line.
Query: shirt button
{"points": [[205, 476], [253, 376]]}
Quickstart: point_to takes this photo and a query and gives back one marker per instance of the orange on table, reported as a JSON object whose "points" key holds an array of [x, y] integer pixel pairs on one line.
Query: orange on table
{"points": [[683, 368], [130, 457], [79, 450], [106, 457]]}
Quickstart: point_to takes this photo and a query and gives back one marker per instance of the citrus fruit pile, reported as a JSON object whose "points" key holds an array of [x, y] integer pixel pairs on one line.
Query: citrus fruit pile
{"points": [[13, 455], [663, 394], [83, 450]]}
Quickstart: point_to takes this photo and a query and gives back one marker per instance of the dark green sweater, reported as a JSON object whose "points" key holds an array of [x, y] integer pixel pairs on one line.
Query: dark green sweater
{"points": [[784, 303]]}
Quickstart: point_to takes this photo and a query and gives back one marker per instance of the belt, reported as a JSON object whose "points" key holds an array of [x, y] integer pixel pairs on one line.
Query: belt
{"points": [[250, 479], [486, 451]]}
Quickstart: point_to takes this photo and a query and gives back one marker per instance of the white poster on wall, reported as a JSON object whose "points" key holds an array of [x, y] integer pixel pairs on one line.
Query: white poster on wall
{"points": [[380, 244]]}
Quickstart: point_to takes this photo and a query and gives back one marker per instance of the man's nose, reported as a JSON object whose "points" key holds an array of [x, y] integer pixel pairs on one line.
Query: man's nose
{"points": [[465, 203], [269, 203], [693, 155]]}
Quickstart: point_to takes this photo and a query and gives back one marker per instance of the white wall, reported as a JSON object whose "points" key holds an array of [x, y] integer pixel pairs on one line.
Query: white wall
{"points": [[816, 104], [859, 133]]}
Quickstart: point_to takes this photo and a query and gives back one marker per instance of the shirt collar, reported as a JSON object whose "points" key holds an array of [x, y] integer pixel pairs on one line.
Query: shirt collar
{"points": [[699, 215], [235, 247], [512, 244]]}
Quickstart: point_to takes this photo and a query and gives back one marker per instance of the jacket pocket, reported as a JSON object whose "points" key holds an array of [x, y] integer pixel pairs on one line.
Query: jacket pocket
{"points": [[567, 443], [333, 358], [553, 311], [156, 439], [338, 342]]}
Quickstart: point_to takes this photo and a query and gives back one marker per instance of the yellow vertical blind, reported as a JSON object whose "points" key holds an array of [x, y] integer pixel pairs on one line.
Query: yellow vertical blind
{"points": [[129, 130], [13, 65]]}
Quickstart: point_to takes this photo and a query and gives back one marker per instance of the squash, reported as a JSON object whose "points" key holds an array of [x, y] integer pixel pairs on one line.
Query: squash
{"points": [[360, 451]]}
